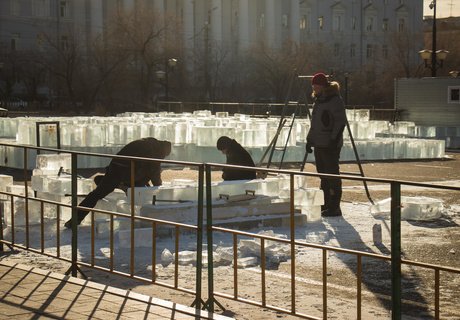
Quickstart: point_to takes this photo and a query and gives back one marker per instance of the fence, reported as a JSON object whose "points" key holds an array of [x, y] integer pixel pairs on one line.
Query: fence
{"points": [[205, 192]]}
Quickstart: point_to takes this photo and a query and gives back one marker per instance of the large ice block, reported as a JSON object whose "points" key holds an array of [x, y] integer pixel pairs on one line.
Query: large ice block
{"points": [[5, 182], [412, 208]]}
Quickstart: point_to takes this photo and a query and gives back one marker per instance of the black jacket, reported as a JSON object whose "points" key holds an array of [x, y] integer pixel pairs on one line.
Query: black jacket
{"points": [[237, 155], [328, 120], [144, 170]]}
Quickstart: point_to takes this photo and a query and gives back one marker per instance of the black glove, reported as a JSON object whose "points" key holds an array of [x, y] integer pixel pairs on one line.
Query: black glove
{"points": [[308, 148]]}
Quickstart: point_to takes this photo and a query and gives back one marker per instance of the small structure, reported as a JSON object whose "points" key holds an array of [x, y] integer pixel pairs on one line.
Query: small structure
{"points": [[431, 102]]}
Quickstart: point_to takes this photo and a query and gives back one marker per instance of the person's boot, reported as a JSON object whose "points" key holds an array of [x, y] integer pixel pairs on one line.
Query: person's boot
{"points": [[331, 212]]}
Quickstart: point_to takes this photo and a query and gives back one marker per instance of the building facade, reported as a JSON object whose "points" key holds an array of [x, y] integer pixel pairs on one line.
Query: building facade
{"points": [[352, 33]]}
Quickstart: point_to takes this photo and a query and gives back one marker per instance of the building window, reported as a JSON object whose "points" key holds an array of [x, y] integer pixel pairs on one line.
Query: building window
{"points": [[353, 23], [353, 50], [15, 41], [64, 43], [369, 51], [385, 51], [453, 94], [385, 25], [15, 7], [401, 24], [41, 8], [303, 22], [337, 23], [262, 21], [370, 24], [63, 9], [40, 40], [336, 49], [285, 21], [321, 22]]}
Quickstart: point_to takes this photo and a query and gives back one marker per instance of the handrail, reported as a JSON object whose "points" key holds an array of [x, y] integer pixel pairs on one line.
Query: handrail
{"points": [[204, 188]]}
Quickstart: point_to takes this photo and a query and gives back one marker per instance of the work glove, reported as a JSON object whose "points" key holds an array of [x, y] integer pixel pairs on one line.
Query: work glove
{"points": [[308, 148]]}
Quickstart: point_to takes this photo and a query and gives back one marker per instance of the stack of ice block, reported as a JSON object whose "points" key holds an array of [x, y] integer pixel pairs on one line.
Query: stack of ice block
{"points": [[51, 181], [200, 130]]}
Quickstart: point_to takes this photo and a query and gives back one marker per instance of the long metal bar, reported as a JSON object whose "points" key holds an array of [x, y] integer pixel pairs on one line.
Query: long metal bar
{"points": [[176, 255], [358, 161], [359, 280], [58, 230], [92, 239], [26, 192], [324, 284], [235, 265], [436, 294], [111, 244], [154, 251], [262, 273], [133, 208], [396, 250], [42, 228], [199, 239], [210, 302], [74, 266], [292, 240]]}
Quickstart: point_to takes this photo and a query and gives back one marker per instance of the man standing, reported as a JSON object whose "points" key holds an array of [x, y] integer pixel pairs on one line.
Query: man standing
{"points": [[326, 137], [118, 173], [236, 155]]}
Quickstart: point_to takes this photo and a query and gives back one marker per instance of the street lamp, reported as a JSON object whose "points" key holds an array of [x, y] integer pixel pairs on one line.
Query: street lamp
{"points": [[437, 59], [169, 66], [433, 54]]}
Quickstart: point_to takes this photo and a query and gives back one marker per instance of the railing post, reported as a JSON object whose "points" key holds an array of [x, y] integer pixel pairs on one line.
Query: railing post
{"points": [[210, 302], [199, 239], [74, 256], [396, 250]]}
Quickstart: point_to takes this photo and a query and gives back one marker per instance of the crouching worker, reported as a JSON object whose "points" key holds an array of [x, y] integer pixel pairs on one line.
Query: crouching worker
{"points": [[236, 155], [118, 172]]}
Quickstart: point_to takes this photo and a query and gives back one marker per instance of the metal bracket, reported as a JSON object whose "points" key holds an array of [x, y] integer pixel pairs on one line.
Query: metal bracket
{"points": [[224, 196]]}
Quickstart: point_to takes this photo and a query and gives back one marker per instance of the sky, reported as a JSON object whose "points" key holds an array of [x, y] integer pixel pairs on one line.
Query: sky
{"points": [[444, 8]]}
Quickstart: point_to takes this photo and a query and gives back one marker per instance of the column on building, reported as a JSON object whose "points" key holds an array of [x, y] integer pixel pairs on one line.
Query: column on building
{"points": [[270, 23], [216, 21], [243, 25], [159, 6], [294, 24], [128, 5]]}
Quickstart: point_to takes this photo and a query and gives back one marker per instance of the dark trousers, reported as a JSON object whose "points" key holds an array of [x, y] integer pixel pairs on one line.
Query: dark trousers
{"points": [[115, 177], [327, 161]]}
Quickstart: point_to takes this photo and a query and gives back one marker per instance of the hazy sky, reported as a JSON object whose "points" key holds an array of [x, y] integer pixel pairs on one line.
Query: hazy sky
{"points": [[444, 8]]}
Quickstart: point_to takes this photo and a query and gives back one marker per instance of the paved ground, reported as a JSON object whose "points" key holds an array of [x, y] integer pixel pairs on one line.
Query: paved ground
{"points": [[31, 293]]}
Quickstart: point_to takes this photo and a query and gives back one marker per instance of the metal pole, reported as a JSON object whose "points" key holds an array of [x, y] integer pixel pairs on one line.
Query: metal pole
{"points": [[210, 302], [433, 53], [396, 250], [74, 266]]}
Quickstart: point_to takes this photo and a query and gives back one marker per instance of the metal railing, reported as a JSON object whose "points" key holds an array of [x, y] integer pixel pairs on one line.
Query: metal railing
{"points": [[205, 192], [394, 259]]}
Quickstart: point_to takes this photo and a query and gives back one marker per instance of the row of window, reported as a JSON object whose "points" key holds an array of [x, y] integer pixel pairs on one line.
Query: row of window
{"points": [[338, 24], [40, 41], [370, 50], [40, 8]]}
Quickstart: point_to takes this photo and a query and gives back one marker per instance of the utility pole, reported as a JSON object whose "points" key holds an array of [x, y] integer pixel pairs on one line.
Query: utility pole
{"points": [[433, 50], [206, 56]]}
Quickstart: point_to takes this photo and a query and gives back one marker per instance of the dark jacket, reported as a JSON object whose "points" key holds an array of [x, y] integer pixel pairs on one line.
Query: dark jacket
{"points": [[145, 171], [237, 155], [328, 119], [118, 172]]}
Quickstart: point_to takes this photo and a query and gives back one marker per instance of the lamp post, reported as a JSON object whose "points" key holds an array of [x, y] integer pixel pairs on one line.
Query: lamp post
{"points": [[169, 65], [437, 57]]}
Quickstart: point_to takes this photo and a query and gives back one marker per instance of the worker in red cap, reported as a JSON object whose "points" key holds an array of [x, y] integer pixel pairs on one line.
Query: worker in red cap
{"points": [[326, 138]]}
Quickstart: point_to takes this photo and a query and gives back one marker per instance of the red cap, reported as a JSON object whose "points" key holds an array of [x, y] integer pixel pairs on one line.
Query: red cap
{"points": [[319, 79]]}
